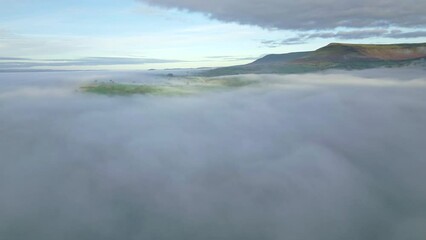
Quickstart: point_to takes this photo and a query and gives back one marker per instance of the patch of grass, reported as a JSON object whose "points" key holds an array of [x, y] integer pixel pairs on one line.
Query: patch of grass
{"points": [[230, 82], [188, 87], [131, 89]]}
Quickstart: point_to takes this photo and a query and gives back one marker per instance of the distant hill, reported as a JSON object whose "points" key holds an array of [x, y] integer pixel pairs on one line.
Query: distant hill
{"points": [[332, 56]]}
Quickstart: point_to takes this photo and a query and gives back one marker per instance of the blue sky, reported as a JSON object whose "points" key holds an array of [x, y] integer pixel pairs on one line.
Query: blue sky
{"points": [[76, 34]]}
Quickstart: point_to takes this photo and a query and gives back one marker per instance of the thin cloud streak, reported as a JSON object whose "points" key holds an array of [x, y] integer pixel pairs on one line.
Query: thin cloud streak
{"points": [[358, 34], [26, 63]]}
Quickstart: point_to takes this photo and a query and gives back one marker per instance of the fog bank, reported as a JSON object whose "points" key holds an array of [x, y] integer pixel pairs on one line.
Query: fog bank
{"points": [[337, 155]]}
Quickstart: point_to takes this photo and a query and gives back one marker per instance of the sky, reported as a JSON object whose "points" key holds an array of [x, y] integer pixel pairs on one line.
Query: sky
{"points": [[146, 34]]}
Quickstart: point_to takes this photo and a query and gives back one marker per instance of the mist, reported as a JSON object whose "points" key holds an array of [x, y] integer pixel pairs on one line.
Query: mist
{"points": [[334, 155]]}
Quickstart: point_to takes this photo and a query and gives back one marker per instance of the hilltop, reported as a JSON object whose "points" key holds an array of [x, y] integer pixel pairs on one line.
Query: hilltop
{"points": [[332, 56]]}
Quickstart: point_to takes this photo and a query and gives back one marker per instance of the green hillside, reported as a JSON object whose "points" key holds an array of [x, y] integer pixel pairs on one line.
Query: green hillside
{"points": [[332, 56]]}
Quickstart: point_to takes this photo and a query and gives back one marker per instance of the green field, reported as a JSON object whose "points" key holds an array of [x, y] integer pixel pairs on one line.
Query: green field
{"points": [[187, 86]]}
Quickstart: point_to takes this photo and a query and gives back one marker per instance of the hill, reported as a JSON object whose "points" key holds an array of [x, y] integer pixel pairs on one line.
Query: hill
{"points": [[332, 56]]}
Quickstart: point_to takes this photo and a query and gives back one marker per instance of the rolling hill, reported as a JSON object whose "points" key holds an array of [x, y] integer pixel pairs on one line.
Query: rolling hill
{"points": [[332, 56]]}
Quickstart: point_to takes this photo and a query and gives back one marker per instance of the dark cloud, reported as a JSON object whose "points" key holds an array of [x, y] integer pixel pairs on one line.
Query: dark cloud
{"points": [[318, 156], [308, 14]]}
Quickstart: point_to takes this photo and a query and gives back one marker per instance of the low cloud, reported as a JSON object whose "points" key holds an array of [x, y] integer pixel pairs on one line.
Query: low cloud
{"points": [[337, 155]]}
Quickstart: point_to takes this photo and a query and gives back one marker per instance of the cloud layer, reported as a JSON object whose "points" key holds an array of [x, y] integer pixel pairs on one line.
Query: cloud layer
{"points": [[317, 156], [309, 14], [346, 35], [15, 64]]}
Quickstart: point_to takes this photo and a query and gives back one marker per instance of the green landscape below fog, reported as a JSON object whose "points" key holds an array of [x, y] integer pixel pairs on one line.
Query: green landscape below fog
{"points": [[186, 86], [332, 56]]}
